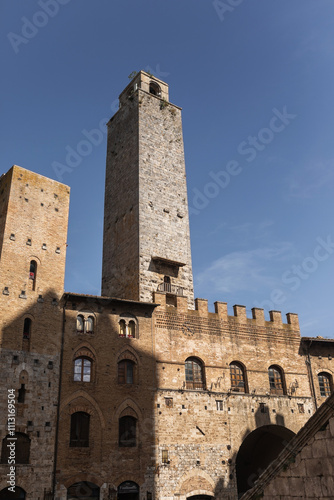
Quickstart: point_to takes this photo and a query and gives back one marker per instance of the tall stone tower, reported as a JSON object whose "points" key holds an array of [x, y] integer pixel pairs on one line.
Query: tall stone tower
{"points": [[33, 233], [146, 245]]}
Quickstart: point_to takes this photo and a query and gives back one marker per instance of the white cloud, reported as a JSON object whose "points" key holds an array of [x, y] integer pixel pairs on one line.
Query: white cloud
{"points": [[250, 270], [306, 182]]}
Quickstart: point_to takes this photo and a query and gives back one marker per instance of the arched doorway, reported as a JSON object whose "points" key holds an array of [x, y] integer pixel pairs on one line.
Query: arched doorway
{"points": [[19, 494], [200, 497], [83, 491], [257, 451], [128, 491]]}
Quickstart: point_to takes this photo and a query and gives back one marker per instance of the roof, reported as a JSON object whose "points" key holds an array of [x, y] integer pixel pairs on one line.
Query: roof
{"points": [[68, 295]]}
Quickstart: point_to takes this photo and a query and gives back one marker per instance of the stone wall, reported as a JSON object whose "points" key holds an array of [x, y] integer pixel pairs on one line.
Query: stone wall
{"points": [[305, 468]]}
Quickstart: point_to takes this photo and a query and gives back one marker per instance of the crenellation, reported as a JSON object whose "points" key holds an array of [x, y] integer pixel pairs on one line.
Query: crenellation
{"points": [[201, 305], [240, 313], [276, 317]]}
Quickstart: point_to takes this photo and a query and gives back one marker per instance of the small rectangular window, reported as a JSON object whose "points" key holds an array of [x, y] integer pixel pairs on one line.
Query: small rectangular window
{"points": [[301, 408], [263, 408], [165, 457], [219, 405]]}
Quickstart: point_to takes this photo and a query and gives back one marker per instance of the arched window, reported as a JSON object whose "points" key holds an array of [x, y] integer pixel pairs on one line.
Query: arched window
{"points": [[82, 369], [127, 431], [237, 374], [194, 374], [128, 489], [27, 328], [33, 273], [325, 384], [79, 436], [80, 323], [89, 324], [122, 328], [126, 369], [9, 494], [155, 89], [276, 380], [131, 329], [22, 448]]}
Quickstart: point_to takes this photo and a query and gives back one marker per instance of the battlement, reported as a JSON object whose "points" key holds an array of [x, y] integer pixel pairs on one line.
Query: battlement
{"points": [[180, 305]]}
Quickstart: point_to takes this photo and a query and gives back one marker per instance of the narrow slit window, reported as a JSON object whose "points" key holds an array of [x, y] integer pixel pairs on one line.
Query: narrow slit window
{"points": [[27, 329], [33, 273]]}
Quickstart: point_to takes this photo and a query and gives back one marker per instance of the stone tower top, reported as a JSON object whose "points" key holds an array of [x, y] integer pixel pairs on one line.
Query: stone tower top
{"points": [[147, 83], [33, 234]]}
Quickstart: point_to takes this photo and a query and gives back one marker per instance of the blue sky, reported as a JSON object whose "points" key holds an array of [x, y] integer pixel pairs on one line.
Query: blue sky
{"points": [[255, 81]]}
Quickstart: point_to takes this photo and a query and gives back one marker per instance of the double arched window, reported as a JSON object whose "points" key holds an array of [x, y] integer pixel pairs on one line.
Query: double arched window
{"points": [[238, 377], [128, 326], [194, 374], [325, 384], [276, 380], [85, 324]]}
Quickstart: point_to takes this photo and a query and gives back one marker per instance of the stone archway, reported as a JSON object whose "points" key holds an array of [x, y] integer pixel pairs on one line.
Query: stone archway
{"points": [[128, 490], [257, 451], [200, 497], [7, 494]]}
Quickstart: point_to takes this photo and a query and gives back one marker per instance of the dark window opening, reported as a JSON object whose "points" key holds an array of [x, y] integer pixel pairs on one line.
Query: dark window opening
{"points": [[126, 372], [22, 448], [83, 490], [128, 491], [155, 89], [33, 273], [127, 431], [21, 394], [8, 494], [27, 328], [79, 436]]}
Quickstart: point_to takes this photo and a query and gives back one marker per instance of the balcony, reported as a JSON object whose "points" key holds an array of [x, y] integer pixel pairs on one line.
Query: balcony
{"points": [[169, 288]]}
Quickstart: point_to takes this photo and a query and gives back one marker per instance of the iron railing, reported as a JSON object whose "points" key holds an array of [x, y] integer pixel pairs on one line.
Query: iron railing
{"points": [[169, 288]]}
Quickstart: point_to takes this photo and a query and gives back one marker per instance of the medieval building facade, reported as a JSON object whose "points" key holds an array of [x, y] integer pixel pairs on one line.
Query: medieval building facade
{"points": [[140, 393]]}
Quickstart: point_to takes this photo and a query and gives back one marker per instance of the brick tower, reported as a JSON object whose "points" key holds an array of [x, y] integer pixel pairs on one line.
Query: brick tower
{"points": [[33, 232], [146, 245]]}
